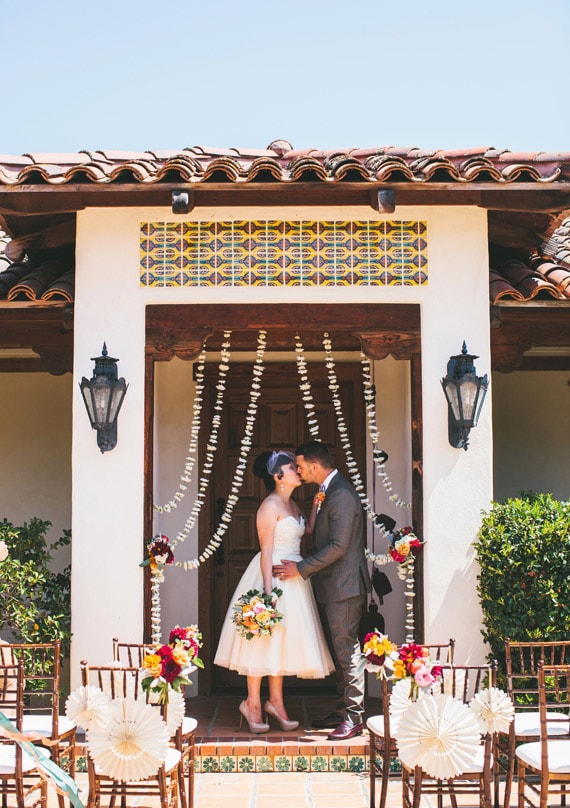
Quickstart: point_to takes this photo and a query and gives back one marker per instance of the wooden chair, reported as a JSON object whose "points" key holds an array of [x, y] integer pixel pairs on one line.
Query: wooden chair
{"points": [[382, 745], [462, 682], [19, 776], [131, 653], [521, 663], [544, 765], [123, 682], [42, 675]]}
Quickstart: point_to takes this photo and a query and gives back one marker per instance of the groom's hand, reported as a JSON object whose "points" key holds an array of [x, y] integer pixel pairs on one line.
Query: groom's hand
{"points": [[287, 569]]}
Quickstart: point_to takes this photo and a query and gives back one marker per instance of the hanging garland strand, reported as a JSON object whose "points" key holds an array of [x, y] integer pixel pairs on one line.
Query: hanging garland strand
{"points": [[212, 444], [378, 455], [305, 388], [344, 439], [186, 476], [245, 448]]}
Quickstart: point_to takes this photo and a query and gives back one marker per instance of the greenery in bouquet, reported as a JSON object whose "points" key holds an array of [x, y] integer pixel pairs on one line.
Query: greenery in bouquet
{"points": [[169, 666], [404, 545], [255, 613]]}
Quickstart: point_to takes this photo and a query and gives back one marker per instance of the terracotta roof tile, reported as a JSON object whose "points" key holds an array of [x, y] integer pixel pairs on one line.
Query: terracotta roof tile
{"points": [[50, 280], [197, 164]]}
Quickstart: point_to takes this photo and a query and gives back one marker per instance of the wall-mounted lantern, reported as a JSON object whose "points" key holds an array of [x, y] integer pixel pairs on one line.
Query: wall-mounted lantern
{"points": [[103, 395], [465, 393]]}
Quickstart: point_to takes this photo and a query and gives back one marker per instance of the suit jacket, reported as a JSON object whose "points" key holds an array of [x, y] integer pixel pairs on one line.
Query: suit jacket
{"points": [[337, 566]]}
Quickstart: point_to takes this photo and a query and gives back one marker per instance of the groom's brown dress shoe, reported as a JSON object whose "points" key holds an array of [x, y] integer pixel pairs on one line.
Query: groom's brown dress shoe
{"points": [[345, 731], [330, 721]]}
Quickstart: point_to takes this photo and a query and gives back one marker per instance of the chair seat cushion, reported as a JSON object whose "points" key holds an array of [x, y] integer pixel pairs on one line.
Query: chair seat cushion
{"points": [[42, 724], [188, 725], [172, 761], [527, 724], [376, 725], [558, 756], [8, 759]]}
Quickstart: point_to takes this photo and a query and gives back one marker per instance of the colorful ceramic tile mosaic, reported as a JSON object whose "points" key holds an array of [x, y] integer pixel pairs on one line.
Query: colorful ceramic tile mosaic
{"points": [[284, 253], [229, 764]]}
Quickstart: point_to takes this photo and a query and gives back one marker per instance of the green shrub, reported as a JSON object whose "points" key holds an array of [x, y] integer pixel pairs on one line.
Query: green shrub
{"points": [[523, 549], [35, 603]]}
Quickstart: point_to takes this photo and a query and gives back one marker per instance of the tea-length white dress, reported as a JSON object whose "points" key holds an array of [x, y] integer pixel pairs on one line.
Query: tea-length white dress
{"points": [[297, 646]]}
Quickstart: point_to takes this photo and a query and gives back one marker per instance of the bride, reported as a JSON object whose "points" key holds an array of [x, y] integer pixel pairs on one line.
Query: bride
{"points": [[297, 646]]}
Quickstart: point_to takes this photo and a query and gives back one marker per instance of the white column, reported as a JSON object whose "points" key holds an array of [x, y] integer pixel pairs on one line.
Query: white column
{"points": [[458, 484], [107, 498]]}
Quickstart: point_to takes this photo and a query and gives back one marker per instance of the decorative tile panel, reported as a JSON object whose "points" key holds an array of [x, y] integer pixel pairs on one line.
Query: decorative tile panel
{"points": [[283, 253]]}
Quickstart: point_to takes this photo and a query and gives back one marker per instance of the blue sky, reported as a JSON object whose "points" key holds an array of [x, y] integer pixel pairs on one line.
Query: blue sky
{"points": [[175, 73]]}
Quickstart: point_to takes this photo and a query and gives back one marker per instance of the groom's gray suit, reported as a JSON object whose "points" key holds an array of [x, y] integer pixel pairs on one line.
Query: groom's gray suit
{"points": [[339, 574]]}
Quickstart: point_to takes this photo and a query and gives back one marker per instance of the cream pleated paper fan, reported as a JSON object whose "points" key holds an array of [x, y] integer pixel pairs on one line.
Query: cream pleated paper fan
{"points": [[174, 711], [494, 709], [87, 706], [133, 743], [439, 733], [399, 702]]}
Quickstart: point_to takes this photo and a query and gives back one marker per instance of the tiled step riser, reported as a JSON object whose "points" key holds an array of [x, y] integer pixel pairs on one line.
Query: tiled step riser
{"points": [[232, 764]]}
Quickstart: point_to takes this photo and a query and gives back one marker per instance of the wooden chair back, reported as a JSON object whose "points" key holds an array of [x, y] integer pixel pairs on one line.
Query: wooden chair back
{"points": [[521, 663], [130, 653]]}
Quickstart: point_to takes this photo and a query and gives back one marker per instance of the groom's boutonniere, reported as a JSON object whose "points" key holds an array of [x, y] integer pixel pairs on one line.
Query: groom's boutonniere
{"points": [[320, 497]]}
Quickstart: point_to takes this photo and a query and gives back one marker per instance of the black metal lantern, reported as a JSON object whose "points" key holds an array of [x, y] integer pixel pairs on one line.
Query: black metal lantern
{"points": [[465, 393], [103, 395]]}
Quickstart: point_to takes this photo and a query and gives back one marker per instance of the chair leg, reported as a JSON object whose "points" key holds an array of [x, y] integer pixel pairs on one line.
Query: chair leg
{"points": [[372, 770], [417, 787], [385, 775], [191, 773], [521, 784], [510, 773]]}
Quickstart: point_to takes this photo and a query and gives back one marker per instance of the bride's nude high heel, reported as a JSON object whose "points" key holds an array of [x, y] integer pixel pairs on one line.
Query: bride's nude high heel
{"points": [[284, 723], [255, 727]]}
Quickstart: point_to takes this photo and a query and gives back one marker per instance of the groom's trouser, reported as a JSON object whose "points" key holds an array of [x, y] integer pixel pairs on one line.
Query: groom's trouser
{"points": [[340, 621]]}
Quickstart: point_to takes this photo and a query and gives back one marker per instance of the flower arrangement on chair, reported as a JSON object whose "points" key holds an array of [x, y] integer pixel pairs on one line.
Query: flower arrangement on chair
{"points": [[255, 613], [410, 661], [169, 666]]}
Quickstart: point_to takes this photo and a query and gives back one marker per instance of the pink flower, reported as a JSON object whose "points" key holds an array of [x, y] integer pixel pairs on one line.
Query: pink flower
{"points": [[423, 677]]}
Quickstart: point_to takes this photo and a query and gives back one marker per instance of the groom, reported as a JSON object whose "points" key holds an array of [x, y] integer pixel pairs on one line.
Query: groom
{"points": [[340, 581]]}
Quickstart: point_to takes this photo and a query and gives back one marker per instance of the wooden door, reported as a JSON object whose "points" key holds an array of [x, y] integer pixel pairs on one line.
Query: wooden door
{"points": [[280, 424]]}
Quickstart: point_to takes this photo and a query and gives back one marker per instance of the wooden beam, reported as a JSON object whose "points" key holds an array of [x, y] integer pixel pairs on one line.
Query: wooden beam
{"points": [[517, 329]]}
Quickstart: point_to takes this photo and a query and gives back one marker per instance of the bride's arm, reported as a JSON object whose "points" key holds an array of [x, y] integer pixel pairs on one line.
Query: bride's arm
{"points": [[266, 521]]}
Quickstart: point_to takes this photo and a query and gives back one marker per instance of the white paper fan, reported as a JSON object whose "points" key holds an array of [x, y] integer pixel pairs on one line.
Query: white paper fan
{"points": [[87, 706], [399, 702], [133, 743], [494, 709], [440, 734], [175, 709]]}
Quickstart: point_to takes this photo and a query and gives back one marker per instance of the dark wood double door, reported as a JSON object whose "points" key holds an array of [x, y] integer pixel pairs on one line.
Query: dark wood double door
{"points": [[280, 424]]}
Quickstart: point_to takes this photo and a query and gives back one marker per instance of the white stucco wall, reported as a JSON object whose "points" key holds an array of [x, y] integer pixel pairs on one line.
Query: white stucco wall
{"points": [[108, 489], [35, 452], [531, 439]]}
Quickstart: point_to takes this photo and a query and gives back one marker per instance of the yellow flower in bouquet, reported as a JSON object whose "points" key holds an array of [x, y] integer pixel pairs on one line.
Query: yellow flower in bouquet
{"points": [[153, 664]]}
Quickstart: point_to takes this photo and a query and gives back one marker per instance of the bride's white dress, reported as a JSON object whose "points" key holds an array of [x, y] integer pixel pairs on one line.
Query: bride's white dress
{"points": [[297, 646]]}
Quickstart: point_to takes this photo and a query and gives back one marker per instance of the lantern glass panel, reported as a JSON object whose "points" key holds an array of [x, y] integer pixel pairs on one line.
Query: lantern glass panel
{"points": [[451, 393]]}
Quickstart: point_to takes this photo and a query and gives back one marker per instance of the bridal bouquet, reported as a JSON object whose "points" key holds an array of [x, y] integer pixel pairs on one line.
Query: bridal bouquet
{"points": [[169, 666], [255, 613]]}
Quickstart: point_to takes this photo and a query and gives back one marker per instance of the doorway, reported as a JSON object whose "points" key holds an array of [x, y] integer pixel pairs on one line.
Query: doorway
{"points": [[280, 424]]}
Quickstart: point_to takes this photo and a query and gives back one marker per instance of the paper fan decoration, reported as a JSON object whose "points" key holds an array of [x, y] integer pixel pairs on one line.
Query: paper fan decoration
{"points": [[440, 734], [399, 702], [133, 743], [87, 706], [494, 709], [175, 709]]}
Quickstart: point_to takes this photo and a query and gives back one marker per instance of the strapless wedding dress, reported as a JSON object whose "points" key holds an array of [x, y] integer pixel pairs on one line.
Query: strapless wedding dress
{"points": [[297, 646]]}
